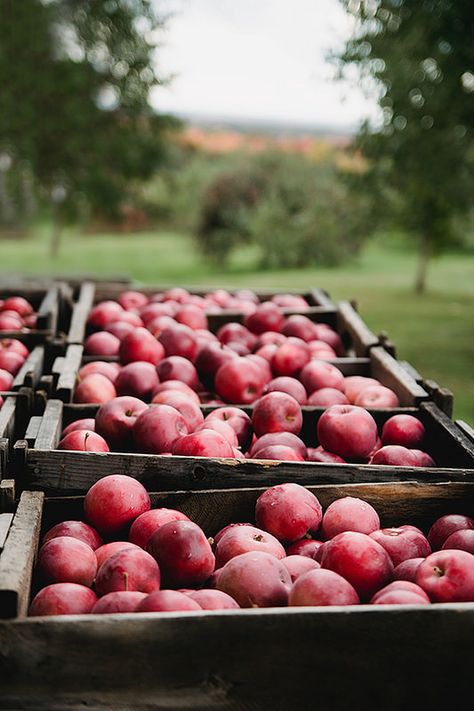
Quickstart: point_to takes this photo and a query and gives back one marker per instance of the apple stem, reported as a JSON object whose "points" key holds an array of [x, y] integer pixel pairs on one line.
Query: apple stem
{"points": [[437, 571], [125, 582]]}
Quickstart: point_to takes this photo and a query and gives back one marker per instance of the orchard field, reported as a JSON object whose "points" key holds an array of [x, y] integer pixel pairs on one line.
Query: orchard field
{"points": [[434, 332]]}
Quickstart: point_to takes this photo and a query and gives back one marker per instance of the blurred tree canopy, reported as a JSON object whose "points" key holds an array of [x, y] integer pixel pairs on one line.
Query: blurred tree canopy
{"points": [[75, 78], [419, 54]]}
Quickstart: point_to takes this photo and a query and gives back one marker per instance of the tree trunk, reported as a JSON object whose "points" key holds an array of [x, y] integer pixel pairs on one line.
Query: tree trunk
{"points": [[424, 255], [56, 233]]}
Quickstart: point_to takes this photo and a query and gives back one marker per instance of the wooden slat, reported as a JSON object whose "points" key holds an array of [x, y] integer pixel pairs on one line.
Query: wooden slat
{"points": [[388, 370], [50, 428], [5, 523], [31, 370], [80, 312], [68, 373], [466, 429], [32, 430], [18, 555], [7, 495], [47, 316]]}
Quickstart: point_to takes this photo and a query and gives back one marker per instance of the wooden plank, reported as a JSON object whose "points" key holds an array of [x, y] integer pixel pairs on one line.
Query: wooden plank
{"points": [[69, 373], [388, 370], [51, 427], [353, 330], [321, 297], [466, 429], [204, 660], [31, 370], [5, 523], [77, 330], [7, 495], [48, 311], [444, 433], [32, 430], [18, 555], [7, 417]]}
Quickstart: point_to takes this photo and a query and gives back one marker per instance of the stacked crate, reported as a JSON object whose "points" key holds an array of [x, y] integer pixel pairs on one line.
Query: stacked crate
{"points": [[358, 657]]}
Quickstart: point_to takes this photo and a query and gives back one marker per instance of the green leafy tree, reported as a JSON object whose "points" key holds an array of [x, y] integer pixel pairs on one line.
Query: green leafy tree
{"points": [[419, 57], [76, 77]]}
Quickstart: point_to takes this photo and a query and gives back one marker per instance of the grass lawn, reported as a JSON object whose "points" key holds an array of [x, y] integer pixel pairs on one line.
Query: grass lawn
{"points": [[434, 332]]}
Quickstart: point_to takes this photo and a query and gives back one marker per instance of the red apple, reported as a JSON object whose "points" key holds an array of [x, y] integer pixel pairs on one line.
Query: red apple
{"points": [[266, 317], [167, 601], [76, 529], [132, 299], [108, 549], [11, 361], [460, 540], [6, 379], [210, 358], [402, 543], [181, 402], [288, 511], [287, 439], [119, 601], [18, 304], [183, 553], [83, 441], [177, 385], [375, 396], [119, 329], [157, 428], [179, 340], [299, 326], [290, 357], [13, 344], [116, 419], [404, 430], [347, 430], [236, 333], [298, 565], [94, 388], [278, 452], [238, 420], [64, 559], [103, 313], [354, 384], [290, 386], [10, 322], [178, 368], [63, 599], [325, 397], [204, 443], [113, 502], [150, 521], [255, 579], [192, 316], [394, 455], [276, 412], [319, 454], [242, 539], [138, 379], [140, 345], [307, 547], [222, 428], [447, 576], [214, 600], [127, 570], [87, 423], [101, 343], [239, 381], [406, 570], [319, 374], [445, 525], [349, 513], [322, 588], [360, 560], [110, 370]]}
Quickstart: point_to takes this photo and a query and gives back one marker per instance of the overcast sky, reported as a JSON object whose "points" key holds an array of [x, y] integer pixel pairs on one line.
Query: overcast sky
{"points": [[260, 59]]}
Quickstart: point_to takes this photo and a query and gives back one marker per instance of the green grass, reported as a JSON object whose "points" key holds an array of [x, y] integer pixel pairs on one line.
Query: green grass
{"points": [[434, 332]]}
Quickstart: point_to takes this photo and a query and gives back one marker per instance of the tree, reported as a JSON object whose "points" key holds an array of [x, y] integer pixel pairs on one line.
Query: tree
{"points": [[76, 77], [419, 55]]}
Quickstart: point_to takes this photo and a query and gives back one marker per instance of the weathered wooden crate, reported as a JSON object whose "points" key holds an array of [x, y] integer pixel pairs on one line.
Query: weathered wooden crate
{"points": [[342, 316], [37, 464], [46, 304], [378, 364], [358, 657]]}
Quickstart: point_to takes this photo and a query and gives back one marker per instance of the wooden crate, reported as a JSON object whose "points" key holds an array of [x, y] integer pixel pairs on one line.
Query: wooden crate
{"points": [[359, 657], [45, 301], [343, 317], [37, 464], [378, 364]]}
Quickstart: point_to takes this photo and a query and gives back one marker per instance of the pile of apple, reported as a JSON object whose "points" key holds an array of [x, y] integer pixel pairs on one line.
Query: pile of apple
{"points": [[174, 424], [13, 354], [164, 341], [127, 557], [16, 313]]}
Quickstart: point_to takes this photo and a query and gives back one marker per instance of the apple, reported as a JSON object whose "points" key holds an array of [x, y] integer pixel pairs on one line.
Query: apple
{"points": [[63, 599], [288, 439], [192, 316], [402, 543], [76, 529], [119, 601], [204, 443], [101, 343], [179, 340], [298, 565], [18, 304], [177, 385], [108, 549], [266, 317], [127, 570], [10, 322], [404, 430], [13, 344], [319, 454], [167, 601], [423, 459], [349, 513], [278, 452], [183, 554], [181, 402], [321, 350], [299, 326], [447, 576], [290, 357], [6, 379], [178, 368], [210, 358], [276, 412], [150, 521], [83, 441], [217, 537], [238, 420], [239, 381], [242, 539], [325, 397], [157, 428], [290, 386], [138, 379], [404, 585], [87, 423], [375, 396], [307, 547], [445, 525], [110, 370], [116, 419], [406, 570], [354, 384], [132, 299], [213, 600], [103, 313], [140, 345], [291, 301], [223, 428], [347, 430], [233, 332], [157, 325], [363, 562], [94, 388], [322, 588], [255, 579], [288, 511], [319, 374], [119, 329], [64, 559], [395, 455], [11, 361], [153, 310], [113, 502], [460, 540]]}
